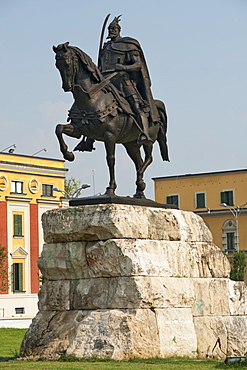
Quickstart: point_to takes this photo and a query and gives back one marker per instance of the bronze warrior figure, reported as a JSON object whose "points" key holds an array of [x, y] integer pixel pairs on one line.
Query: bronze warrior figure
{"points": [[112, 103]]}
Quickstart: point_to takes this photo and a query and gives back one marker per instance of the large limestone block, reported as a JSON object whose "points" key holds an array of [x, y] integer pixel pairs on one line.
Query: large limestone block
{"points": [[208, 330], [231, 331], [64, 261], [117, 334], [176, 332], [237, 297], [54, 295], [211, 261], [211, 297], [101, 222], [116, 292], [50, 333], [132, 257], [236, 327], [156, 258]]}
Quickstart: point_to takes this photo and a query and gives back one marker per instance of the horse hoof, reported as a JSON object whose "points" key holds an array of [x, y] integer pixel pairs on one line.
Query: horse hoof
{"points": [[110, 192], [69, 156], [139, 195], [140, 185]]}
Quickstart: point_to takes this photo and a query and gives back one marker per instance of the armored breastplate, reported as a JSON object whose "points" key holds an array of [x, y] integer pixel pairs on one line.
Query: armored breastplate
{"points": [[110, 57]]}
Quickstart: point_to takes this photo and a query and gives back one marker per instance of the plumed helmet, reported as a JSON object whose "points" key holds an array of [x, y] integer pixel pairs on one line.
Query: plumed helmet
{"points": [[115, 22]]}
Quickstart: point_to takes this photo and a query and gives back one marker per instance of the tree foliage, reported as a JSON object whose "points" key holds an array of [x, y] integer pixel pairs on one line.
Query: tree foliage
{"points": [[4, 283], [238, 266], [71, 187]]}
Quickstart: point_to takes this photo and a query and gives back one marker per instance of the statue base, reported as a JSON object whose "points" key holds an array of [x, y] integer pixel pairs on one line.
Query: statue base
{"points": [[106, 199], [128, 281]]}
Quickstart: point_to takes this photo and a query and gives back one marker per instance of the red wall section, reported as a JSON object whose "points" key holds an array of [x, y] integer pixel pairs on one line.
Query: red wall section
{"points": [[34, 247], [4, 241]]}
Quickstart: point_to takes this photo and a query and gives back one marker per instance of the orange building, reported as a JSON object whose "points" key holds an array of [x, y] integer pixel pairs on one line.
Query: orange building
{"points": [[218, 197]]}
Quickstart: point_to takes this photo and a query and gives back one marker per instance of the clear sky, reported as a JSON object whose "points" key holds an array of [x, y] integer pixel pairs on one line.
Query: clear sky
{"points": [[197, 58]]}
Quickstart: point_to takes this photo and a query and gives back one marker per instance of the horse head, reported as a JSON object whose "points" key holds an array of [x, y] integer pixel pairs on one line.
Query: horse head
{"points": [[66, 64]]}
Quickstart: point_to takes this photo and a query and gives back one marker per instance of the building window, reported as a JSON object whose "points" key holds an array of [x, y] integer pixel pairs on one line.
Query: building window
{"points": [[47, 190], [17, 222], [17, 187], [173, 199], [200, 200], [227, 197], [17, 277], [230, 241], [19, 310], [229, 235]]}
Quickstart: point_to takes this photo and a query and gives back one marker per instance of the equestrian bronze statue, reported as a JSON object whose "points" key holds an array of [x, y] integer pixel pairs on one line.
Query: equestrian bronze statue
{"points": [[113, 103]]}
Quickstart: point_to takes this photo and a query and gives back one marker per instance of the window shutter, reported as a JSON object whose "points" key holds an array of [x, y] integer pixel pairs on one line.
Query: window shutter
{"points": [[175, 200], [20, 276], [200, 200], [230, 198], [17, 225], [223, 197], [17, 277]]}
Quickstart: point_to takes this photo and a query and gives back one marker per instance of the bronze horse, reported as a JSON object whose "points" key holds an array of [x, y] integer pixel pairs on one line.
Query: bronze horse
{"points": [[98, 113]]}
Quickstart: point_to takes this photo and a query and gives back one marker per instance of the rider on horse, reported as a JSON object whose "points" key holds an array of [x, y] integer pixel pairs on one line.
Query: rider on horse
{"points": [[125, 56]]}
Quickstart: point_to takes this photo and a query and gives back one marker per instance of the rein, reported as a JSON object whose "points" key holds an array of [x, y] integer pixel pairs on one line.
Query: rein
{"points": [[84, 116]]}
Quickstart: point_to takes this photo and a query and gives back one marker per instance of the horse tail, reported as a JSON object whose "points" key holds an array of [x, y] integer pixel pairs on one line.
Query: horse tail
{"points": [[161, 138]]}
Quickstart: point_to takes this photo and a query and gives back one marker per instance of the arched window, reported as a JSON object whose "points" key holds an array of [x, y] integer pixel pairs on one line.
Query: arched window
{"points": [[229, 236]]}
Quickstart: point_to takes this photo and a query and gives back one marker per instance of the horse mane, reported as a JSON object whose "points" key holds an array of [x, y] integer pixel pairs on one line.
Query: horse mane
{"points": [[87, 63]]}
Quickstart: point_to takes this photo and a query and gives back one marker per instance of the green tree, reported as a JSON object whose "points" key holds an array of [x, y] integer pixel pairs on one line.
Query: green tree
{"points": [[72, 187], [4, 283], [238, 266]]}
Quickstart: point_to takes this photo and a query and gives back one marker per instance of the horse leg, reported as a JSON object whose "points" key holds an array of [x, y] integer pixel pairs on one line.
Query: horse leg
{"points": [[148, 149], [70, 131], [133, 150], [110, 146]]}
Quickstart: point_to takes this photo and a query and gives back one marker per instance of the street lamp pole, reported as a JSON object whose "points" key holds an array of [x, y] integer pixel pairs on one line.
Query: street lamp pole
{"points": [[76, 192], [236, 213], [93, 171]]}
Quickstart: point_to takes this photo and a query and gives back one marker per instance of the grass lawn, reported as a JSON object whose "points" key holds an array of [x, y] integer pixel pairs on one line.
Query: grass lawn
{"points": [[10, 340]]}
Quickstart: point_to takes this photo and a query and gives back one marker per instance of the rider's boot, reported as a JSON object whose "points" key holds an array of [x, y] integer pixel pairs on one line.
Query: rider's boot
{"points": [[144, 137], [86, 145]]}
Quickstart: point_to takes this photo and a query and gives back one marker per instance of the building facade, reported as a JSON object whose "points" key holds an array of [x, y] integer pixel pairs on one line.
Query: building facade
{"points": [[26, 192], [218, 197]]}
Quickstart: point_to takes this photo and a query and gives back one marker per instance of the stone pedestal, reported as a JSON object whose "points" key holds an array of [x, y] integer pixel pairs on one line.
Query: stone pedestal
{"points": [[125, 281]]}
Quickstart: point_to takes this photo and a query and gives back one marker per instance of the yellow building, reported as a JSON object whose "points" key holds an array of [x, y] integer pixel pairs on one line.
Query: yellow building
{"points": [[218, 197], [26, 192]]}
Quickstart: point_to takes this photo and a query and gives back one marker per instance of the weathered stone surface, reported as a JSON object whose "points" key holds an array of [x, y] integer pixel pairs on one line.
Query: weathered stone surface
{"points": [[101, 222], [126, 281], [208, 329], [211, 297], [236, 327], [118, 334], [54, 295], [128, 257], [50, 333], [231, 330], [64, 261], [116, 292], [176, 332], [237, 297], [156, 258]]}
